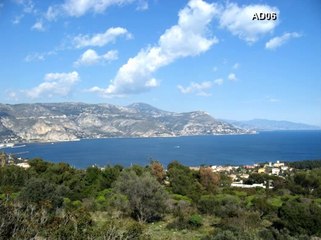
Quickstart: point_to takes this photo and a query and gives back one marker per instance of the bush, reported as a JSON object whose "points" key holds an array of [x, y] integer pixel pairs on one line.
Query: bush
{"points": [[39, 191], [195, 220], [207, 204], [146, 197]]}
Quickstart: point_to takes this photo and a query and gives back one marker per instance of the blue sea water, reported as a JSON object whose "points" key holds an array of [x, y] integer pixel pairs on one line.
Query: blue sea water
{"points": [[191, 151]]}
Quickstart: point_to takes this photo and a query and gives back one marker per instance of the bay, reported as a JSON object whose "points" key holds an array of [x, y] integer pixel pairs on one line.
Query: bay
{"points": [[191, 151]]}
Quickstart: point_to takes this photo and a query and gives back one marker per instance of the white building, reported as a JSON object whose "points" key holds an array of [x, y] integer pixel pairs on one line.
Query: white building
{"points": [[23, 165], [275, 171]]}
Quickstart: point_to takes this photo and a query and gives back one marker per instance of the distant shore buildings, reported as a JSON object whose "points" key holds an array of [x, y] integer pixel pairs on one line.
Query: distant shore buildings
{"points": [[238, 174]]}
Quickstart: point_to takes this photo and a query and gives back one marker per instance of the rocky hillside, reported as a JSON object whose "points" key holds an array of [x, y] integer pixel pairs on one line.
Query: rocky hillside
{"points": [[70, 121]]}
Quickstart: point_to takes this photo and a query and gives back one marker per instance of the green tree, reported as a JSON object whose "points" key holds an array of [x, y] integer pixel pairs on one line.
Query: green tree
{"points": [[40, 191], [207, 204], [183, 181], [13, 177], [301, 217], [147, 198], [110, 175], [38, 165]]}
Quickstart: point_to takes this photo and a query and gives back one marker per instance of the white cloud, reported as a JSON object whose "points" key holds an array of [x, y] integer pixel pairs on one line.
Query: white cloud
{"points": [[100, 39], [17, 19], [38, 26], [36, 56], [218, 81], [27, 5], [78, 8], [190, 37], [238, 20], [90, 57], [279, 41], [200, 89], [142, 5], [11, 95], [272, 99], [236, 66], [52, 13], [151, 83], [232, 77], [59, 84], [28, 8]]}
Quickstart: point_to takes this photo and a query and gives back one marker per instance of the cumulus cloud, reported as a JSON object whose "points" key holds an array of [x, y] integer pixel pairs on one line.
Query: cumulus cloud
{"points": [[90, 57], [38, 26], [189, 37], [100, 39], [76, 8], [200, 89], [279, 41], [238, 20], [55, 84], [232, 77]]}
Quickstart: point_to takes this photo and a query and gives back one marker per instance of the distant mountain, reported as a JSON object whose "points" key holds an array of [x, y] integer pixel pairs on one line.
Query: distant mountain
{"points": [[271, 125], [70, 121]]}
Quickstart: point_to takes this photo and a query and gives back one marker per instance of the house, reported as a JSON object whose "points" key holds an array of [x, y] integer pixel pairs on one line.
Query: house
{"points": [[245, 176], [194, 168], [278, 164], [242, 185], [285, 168], [233, 176], [23, 165], [275, 171], [261, 170]]}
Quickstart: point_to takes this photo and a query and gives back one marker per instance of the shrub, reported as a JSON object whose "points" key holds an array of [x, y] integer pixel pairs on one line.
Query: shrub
{"points": [[195, 220]]}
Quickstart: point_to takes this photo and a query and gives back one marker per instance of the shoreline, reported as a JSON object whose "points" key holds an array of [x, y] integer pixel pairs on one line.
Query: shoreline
{"points": [[13, 144]]}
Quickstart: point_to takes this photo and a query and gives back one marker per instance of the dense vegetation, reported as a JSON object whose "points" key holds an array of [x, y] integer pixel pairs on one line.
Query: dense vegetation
{"points": [[307, 164], [57, 201]]}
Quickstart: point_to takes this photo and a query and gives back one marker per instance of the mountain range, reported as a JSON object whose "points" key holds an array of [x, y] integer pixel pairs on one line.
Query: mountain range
{"points": [[45, 122], [271, 125]]}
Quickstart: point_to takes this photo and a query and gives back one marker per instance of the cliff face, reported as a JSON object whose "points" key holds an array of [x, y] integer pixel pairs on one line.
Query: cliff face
{"points": [[70, 121]]}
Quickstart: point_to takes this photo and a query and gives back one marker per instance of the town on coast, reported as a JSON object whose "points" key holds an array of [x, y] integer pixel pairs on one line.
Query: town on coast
{"points": [[239, 175]]}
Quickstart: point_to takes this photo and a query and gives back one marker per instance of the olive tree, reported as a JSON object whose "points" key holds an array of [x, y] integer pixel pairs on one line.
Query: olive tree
{"points": [[146, 196]]}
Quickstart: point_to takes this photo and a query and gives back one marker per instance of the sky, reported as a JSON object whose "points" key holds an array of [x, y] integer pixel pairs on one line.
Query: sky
{"points": [[221, 57]]}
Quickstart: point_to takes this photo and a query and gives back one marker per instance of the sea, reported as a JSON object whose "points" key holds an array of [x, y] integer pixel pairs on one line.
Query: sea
{"points": [[190, 151]]}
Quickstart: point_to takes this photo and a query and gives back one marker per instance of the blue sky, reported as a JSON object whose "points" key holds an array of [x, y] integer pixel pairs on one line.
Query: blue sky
{"points": [[176, 55]]}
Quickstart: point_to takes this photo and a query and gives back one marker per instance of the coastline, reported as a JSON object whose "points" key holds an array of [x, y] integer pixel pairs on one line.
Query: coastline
{"points": [[13, 144]]}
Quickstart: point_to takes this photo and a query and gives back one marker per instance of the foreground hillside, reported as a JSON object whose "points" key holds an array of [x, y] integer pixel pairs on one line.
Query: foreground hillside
{"points": [[56, 201], [69, 121]]}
